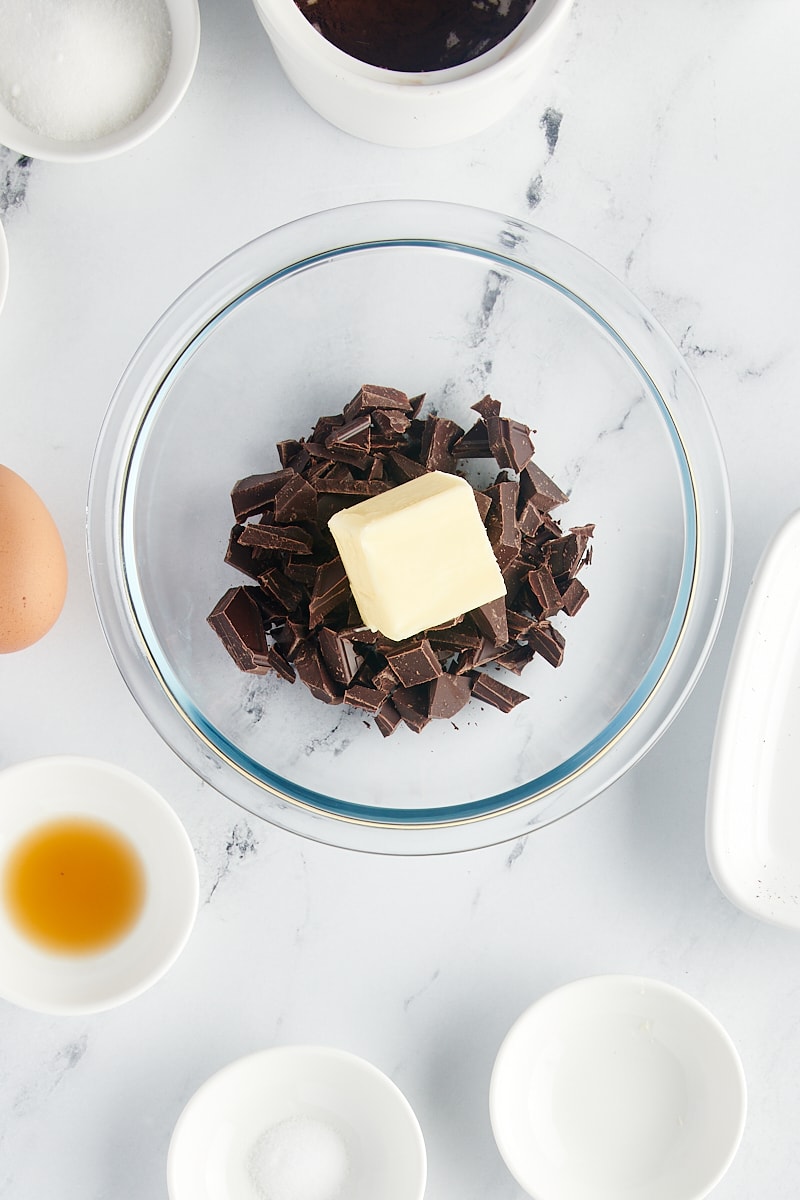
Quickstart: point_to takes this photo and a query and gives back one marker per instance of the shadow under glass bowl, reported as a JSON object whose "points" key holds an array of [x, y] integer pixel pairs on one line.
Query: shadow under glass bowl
{"points": [[455, 302]]}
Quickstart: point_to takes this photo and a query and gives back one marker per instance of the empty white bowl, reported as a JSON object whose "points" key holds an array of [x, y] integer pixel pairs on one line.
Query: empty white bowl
{"points": [[33, 794], [411, 108], [325, 1121], [617, 1086], [184, 19]]}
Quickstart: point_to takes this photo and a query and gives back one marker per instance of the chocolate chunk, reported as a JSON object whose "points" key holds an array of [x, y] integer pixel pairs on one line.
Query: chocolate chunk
{"points": [[474, 443], [530, 519], [492, 621], [539, 488], [340, 657], [356, 432], [348, 486], [387, 718], [402, 468], [548, 642], [460, 637], [412, 704], [244, 558], [389, 425], [447, 695], [289, 637], [237, 622], [288, 594], [484, 503], [367, 698], [518, 623], [331, 588], [290, 538], [415, 405], [296, 501], [351, 456], [510, 442], [492, 691], [515, 659], [573, 597], [487, 407], [288, 452], [314, 674], [544, 589], [415, 663], [437, 438], [485, 652], [369, 397], [385, 680], [252, 494], [563, 555], [301, 572], [501, 524]]}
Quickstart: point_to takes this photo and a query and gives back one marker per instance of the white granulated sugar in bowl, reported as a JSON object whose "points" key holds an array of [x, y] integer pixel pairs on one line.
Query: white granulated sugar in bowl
{"points": [[76, 70], [301, 1158]]}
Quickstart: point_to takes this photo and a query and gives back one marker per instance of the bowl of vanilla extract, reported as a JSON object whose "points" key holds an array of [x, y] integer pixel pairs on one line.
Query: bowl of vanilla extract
{"points": [[98, 885]]}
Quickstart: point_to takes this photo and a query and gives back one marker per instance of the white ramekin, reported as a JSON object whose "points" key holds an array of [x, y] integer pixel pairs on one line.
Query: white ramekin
{"points": [[184, 18], [399, 108]]}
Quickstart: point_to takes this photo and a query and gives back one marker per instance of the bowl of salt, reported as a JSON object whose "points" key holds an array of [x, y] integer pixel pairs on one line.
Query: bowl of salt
{"points": [[297, 1123], [88, 79]]}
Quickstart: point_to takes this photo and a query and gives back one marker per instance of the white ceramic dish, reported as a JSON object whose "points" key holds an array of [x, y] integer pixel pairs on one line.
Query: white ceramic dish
{"points": [[753, 819], [617, 1086], [411, 108], [34, 793], [356, 1119], [184, 16], [3, 266]]}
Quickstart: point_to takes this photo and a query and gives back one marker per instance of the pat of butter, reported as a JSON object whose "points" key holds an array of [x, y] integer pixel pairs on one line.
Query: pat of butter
{"points": [[417, 555]]}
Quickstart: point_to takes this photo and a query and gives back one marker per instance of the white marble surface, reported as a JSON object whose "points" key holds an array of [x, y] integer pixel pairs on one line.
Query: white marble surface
{"points": [[664, 144]]}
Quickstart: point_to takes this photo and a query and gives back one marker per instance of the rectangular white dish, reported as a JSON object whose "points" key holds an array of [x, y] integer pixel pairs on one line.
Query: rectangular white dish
{"points": [[753, 808]]}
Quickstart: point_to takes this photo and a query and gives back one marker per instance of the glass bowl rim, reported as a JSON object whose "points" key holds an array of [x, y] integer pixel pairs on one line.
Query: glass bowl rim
{"points": [[184, 336]]}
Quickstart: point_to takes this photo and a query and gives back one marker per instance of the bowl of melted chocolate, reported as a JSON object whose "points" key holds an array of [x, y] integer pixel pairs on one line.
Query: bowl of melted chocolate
{"points": [[412, 73], [415, 35]]}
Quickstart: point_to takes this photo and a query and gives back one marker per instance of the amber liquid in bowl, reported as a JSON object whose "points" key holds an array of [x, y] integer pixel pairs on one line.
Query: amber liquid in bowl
{"points": [[74, 885]]}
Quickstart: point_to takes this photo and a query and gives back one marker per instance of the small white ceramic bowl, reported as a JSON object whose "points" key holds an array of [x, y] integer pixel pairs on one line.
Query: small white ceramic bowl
{"points": [[617, 1086], [347, 1117], [405, 108], [37, 792], [184, 16]]}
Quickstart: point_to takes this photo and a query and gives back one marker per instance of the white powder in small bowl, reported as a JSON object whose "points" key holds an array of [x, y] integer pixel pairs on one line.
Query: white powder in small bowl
{"points": [[299, 1159], [75, 70]]}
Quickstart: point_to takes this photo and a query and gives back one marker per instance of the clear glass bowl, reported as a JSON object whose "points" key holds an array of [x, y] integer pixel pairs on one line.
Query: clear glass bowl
{"points": [[454, 302]]}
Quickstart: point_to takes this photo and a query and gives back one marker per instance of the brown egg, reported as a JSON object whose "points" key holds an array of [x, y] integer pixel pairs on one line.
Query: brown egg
{"points": [[33, 566]]}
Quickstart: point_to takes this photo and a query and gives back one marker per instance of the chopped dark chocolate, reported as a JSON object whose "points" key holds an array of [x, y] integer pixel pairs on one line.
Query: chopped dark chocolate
{"points": [[251, 495], [487, 407], [290, 538], [237, 622], [501, 524], [539, 488], [302, 616], [474, 443], [331, 588], [492, 621], [485, 687], [545, 591], [368, 698], [548, 642], [415, 663], [340, 656], [412, 704], [387, 718], [573, 597], [510, 442], [296, 501], [314, 674], [447, 695]]}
